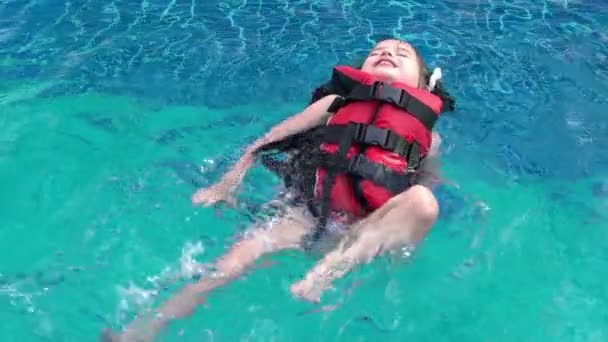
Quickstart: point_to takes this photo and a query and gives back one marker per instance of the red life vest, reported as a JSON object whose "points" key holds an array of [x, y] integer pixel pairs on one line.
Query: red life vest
{"points": [[384, 131]]}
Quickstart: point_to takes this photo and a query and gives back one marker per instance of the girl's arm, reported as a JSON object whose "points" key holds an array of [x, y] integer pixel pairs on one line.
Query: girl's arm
{"points": [[314, 115], [430, 165]]}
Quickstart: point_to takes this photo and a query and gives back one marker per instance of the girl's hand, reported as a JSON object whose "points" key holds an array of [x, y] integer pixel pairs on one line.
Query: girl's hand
{"points": [[219, 192], [312, 116]]}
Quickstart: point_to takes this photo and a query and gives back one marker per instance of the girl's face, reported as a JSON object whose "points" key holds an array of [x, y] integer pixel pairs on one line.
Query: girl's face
{"points": [[394, 61]]}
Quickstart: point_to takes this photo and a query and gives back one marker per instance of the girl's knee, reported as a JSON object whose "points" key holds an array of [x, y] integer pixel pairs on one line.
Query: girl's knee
{"points": [[421, 202], [427, 203]]}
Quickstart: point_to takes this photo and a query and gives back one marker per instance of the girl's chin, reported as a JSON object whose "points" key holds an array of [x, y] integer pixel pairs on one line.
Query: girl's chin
{"points": [[384, 75]]}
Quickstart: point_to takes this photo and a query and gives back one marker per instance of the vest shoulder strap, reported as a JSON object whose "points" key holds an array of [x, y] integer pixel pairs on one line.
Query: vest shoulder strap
{"points": [[350, 89]]}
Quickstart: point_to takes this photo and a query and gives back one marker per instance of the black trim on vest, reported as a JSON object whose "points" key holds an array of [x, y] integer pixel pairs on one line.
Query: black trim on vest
{"points": [[368, 134], [359, 165], [352, 90]]}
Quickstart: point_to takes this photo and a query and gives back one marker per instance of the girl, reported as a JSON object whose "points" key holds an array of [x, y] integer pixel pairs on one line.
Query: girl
{"points": [[404, 219]]}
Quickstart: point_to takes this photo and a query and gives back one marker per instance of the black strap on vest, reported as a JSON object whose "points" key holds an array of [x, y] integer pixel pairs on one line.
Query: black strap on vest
{"points": [[352, 90], [387, 93], [373, 136], [359, 165], [330, 178]]}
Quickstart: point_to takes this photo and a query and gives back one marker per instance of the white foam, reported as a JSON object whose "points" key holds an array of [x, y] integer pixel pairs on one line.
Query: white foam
{"points": [[136, 297]]}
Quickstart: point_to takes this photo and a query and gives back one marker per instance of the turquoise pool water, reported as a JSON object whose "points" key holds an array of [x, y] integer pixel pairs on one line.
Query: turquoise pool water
{"points": [[112, 113]]}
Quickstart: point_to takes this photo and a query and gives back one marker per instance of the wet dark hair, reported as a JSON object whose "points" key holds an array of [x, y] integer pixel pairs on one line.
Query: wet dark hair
{"points": [[448, 101]]}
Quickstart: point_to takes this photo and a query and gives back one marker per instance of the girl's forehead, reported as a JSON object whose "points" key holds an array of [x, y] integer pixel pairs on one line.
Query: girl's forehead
{"points": [[394, 43]]}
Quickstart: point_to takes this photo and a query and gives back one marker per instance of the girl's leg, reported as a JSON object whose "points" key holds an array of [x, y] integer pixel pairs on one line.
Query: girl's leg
{"points": [[286, 232], [404, 219]]}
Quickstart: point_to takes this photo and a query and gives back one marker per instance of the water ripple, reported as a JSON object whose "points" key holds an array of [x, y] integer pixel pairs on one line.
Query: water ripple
{"points": [[513, 65]]}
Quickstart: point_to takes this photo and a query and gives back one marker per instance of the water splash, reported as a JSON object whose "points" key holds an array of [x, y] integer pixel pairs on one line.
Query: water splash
{"points": [[136, 297]]}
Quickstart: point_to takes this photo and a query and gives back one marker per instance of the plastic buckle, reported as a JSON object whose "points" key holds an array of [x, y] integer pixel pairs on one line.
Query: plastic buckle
{"points": [[376, 136], [354, 163], [415, 167], [359, 130], [360, 167], [414, 157], [399, 146], [387, 93], [375, 89]]}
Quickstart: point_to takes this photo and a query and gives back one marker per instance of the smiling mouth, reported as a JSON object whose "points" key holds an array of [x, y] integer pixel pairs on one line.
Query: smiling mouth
{"points": [[386, 62]]}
